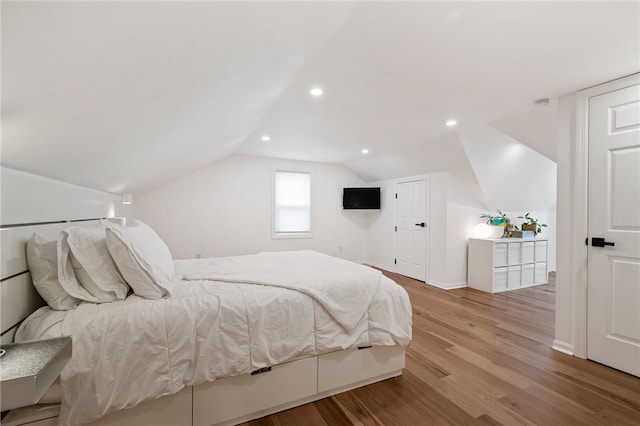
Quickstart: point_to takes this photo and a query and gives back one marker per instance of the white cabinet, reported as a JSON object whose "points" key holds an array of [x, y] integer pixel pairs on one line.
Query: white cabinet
{"points": [[514, 276], [527, 274], [339, 369], [527, 252], [540, 275], [225, 400], [497, 265], [515, 254]]}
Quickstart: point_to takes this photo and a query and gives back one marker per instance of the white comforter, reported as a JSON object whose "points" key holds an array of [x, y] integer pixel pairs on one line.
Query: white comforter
{"points": [[131, 351], [344, 289]]}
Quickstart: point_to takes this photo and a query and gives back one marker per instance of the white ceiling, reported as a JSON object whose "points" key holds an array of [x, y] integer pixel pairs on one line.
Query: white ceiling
{"points": [[126, 96]]}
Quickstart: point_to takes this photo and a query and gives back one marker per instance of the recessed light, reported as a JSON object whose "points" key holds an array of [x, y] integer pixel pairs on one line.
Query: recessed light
{"points": [[266, 138], [316, 91], [451, 123], [365, 151]]}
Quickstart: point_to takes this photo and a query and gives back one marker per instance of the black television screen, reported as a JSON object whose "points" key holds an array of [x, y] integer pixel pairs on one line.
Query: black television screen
{"points": [[361, 198]]}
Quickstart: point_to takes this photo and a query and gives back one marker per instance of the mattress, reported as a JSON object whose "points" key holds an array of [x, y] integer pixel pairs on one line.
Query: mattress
{"points": [[134, 350]]}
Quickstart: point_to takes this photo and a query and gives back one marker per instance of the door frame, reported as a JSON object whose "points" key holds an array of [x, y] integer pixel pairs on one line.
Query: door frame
{"points": [[576, 278], [427, 238]]}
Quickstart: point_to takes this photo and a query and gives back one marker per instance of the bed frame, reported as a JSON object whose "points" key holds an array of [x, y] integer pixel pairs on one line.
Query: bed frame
{"points": [[239, 399], [225, 401]]}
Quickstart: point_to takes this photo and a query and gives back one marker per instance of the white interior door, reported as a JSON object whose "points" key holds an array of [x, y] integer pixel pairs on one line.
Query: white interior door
{"points": [[411, 227], [613, 328]]}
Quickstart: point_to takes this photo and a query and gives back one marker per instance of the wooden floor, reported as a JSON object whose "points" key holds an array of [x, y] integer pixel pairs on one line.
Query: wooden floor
{"points": [[482, 359]]}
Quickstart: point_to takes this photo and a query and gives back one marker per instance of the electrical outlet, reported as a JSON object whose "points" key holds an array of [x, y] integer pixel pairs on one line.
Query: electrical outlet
{"points": [[339, 249], [198, 255]]}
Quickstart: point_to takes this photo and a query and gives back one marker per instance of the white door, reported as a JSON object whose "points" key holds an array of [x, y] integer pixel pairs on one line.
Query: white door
{"points": [[411, 227], [613, 274]]}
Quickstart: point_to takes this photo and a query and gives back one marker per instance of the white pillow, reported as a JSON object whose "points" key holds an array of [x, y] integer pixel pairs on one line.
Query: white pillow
{"points": [[143, 259], [66, 274], [92, 264], [42, 257]]}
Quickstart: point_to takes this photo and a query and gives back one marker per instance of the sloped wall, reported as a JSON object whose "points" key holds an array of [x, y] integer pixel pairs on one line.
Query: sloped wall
{"points": [[512, 176], [535, 128], [29, 198]]}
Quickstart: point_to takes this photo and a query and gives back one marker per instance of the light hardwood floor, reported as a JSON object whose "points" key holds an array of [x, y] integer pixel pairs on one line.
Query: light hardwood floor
{"points": [[482, 359]]}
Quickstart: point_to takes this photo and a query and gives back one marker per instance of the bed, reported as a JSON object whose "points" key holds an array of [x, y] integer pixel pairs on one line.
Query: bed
{"points": [[228, 340]]}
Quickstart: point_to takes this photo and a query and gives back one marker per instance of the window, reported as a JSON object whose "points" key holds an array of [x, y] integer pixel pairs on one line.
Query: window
{"points": [[292, 204]]}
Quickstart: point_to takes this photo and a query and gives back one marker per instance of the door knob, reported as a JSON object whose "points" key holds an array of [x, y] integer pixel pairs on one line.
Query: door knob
{"points": [[421, 224], [600, 242]]}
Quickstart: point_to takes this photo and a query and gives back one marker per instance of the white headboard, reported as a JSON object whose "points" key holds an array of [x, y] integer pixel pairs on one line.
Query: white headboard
{"points": [[19, 298], [31, 204]]}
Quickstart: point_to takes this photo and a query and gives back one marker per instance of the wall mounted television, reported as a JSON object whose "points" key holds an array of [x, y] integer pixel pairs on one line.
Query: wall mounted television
{"points": [[361, 198]]}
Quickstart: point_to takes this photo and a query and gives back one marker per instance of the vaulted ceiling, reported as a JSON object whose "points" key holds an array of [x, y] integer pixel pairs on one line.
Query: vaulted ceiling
{"points": [[126, 96]]}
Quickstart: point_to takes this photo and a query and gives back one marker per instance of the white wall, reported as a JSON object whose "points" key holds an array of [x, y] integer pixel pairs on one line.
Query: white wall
{"points": [[454, 213], [514, 178], [29, 198], [381, 225], [572, 217], [380, 231], [449, 223], [226, 209], [461, 220], [512, 175], [436, 248], [566, 275]]}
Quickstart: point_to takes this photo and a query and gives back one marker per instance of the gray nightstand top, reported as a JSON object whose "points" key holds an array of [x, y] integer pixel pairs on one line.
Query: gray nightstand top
{"points": [[28, 369]]}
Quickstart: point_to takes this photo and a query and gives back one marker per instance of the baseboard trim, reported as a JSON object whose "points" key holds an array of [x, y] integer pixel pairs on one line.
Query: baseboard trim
{"points": [[378, 265], [563, 347], [450, 286], [444, 286]]}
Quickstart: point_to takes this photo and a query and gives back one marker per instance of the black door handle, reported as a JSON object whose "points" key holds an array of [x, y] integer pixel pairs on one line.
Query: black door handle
{"points": [[421, 224], [600, 242]]}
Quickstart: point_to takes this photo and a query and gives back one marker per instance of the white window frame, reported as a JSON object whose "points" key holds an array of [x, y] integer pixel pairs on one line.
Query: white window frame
{"points": [[289, 235]]}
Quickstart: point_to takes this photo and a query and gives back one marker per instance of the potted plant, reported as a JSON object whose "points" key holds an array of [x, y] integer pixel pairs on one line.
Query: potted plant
{"points": [[530, 223], [501, 220]]}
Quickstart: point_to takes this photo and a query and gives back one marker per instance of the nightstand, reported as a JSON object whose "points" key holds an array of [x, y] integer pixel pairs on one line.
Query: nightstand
{"points": [[28, 369]]}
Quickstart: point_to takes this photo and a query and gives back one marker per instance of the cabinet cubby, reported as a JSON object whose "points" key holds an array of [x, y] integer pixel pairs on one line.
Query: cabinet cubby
{"points": [[497, 265]]}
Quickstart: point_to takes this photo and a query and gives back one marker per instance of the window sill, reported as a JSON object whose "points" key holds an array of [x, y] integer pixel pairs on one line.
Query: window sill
{"points": [[290, 235]]}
